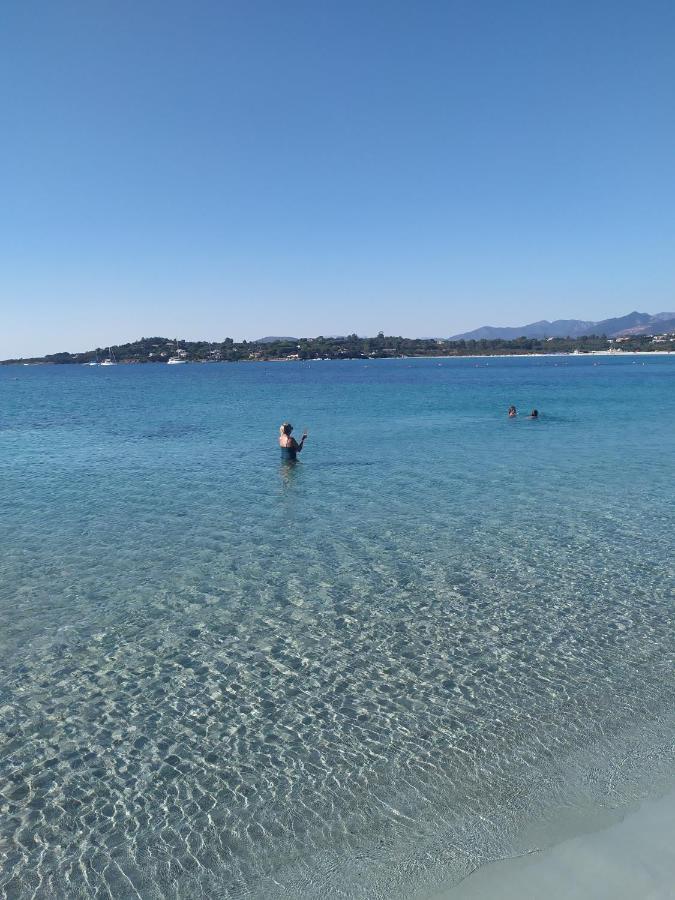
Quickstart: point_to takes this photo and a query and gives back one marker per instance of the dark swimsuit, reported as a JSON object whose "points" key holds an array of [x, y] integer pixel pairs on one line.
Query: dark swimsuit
{"points": [[288, 453]]}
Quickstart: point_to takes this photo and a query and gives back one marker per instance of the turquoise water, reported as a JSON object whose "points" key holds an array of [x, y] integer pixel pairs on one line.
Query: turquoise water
{"points": [[353, 677]]}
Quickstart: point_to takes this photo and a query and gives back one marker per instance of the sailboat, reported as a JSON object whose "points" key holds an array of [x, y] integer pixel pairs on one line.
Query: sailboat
{"points": [[92, 362], [110, 361]]}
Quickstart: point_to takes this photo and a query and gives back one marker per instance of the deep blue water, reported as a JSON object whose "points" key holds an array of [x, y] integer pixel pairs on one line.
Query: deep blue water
{"points": [[352, 677]]}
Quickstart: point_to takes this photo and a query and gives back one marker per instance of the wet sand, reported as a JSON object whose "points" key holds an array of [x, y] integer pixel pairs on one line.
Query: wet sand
{"points": [[633, 859]]}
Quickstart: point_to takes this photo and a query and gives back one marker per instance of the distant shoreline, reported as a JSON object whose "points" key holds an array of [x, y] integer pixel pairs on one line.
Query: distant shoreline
{"points": [[618, 354]]}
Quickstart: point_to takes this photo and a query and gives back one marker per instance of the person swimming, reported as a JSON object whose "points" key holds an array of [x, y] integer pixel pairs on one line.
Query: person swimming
{"points": [[534, 414], [512, 412], [289, 446]]}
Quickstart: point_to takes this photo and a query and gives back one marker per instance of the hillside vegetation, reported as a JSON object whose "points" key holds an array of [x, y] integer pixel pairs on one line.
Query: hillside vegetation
{"points": [[159, 350]]}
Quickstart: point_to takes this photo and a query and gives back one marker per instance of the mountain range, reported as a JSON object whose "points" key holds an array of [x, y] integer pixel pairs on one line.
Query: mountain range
{"points": [[634, 323]]}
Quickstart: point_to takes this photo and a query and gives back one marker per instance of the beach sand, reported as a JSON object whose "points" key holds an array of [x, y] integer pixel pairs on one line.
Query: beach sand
{"points": [[633, 859]]}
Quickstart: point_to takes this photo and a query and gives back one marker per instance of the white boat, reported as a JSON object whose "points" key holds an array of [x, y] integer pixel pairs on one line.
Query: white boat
{"points": [[110, 361], [178, 357]]}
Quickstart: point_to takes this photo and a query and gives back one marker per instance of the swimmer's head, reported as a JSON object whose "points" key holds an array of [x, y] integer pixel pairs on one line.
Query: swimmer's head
{"points": [[286, 428], [534, 414]]}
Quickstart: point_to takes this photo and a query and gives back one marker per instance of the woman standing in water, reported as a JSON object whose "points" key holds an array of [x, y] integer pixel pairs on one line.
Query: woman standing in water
{"points": [[289, 446]]}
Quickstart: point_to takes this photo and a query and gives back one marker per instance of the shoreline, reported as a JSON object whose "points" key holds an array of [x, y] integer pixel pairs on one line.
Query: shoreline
{"points": [[611, 353], [628, 859]]}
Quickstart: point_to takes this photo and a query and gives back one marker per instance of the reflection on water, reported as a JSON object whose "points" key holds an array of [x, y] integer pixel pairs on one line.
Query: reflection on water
{"points": [[288, 469]]}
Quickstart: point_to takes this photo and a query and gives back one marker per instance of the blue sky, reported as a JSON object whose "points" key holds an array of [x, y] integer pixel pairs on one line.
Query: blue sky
{"points": [[212, 169]]}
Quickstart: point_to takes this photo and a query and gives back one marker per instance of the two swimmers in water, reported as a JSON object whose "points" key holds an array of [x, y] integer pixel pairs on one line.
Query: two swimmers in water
{"points": [[513, 412]]}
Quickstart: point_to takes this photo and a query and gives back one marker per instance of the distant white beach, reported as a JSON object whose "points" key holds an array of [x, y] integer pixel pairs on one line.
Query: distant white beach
{"points": [[615, 353]]}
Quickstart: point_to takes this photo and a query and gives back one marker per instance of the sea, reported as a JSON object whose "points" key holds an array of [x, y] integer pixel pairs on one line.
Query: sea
{"points": [[441, 638]]}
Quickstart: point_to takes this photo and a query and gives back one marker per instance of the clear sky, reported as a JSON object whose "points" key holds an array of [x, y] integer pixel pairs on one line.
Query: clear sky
{"points": [[212, 169]]}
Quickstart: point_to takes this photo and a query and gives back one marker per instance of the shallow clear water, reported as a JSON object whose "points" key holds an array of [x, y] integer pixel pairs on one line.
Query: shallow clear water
{"points": [[353, 677]]}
